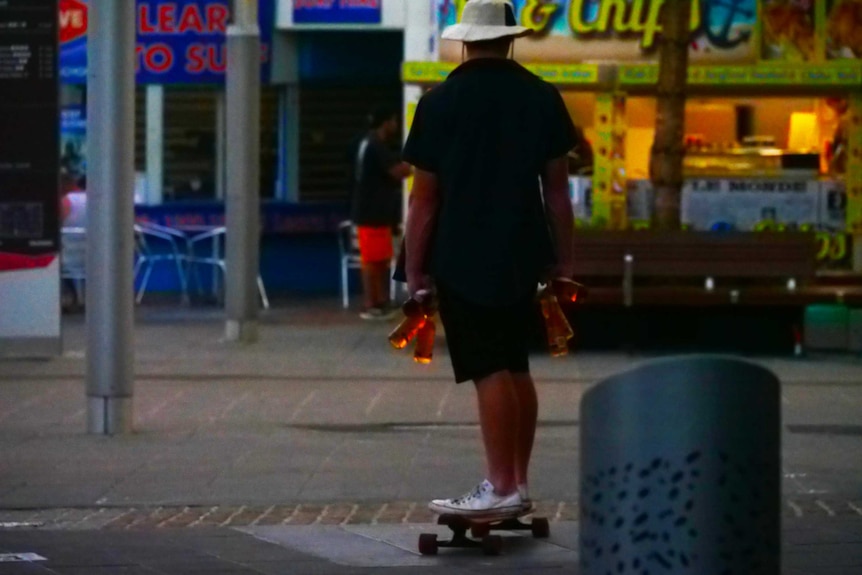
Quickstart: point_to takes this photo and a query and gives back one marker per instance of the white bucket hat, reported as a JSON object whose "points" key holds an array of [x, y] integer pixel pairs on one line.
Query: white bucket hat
{"points": [[486, 20]]}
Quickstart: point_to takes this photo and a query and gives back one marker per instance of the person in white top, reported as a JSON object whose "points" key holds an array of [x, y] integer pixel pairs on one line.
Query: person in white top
{"points": [[73, 202], [73, 210]]}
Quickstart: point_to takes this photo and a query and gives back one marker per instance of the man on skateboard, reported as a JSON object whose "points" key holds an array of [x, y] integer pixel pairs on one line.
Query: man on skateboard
{"points": [[489, 218]]}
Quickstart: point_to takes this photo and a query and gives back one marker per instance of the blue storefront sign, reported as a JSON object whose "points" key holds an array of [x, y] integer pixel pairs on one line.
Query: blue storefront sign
{"points": [[337, 11], [178, 41]]}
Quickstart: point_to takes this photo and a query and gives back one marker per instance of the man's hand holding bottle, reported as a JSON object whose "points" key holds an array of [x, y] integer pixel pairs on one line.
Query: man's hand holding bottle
{"points": [[561, 290], [418, 324]]}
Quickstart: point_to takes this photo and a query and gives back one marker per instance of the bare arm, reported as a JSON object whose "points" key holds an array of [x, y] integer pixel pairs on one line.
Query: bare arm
{"points": [[421, 221], [555, 182]]}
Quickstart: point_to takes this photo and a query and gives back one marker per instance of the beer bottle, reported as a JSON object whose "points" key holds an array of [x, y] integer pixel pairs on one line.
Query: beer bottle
{"points": [[414, 318], [417, 310], [558, 330], [424, 351]]}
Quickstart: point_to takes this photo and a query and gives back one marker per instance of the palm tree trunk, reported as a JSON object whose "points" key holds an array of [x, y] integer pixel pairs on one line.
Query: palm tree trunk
{"points": [[668, 149]]}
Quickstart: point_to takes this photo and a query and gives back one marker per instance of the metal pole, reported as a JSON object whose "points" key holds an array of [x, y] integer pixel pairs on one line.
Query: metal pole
{"points": [[110, 214], [288, 155], [221, 145], [628, 280], [155, 144], [220, 178], [243, 169]]}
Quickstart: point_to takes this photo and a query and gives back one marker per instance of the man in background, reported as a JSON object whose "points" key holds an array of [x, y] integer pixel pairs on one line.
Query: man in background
{"points": [[376, 208]]}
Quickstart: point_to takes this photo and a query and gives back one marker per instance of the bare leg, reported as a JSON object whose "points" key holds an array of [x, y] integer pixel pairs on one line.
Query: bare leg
{"points": [[383, 284], [498, 414], [375, 283], [528, 404], [369, 273]]}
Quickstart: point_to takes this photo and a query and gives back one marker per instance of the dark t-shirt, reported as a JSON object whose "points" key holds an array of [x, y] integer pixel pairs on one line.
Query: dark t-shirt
{"points": [[376, 194], [487, 133]]}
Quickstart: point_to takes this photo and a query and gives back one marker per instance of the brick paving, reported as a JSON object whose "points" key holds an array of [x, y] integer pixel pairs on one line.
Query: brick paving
{"points": [[320, 425], [360, 513]]}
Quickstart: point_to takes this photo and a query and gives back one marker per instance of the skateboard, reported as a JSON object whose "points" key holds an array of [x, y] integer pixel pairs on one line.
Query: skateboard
{"points": [[481, 529]]}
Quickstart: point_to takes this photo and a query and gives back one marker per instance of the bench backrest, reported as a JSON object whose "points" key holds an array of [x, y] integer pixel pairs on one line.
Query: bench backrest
{"points": [[696, 254]]}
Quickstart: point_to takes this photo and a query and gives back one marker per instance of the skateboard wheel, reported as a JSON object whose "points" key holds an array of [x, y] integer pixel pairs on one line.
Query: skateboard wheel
{"points": [[480, 531], [541, 528], [492, 545], [428, 544]]}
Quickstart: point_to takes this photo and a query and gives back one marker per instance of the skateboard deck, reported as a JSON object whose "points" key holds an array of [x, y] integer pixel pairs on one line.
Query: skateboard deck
{"points": [[480, 532]]}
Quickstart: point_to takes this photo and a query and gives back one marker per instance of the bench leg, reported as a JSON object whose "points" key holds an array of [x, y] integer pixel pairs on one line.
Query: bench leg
{"points": [[630, 336], [798, 345]]}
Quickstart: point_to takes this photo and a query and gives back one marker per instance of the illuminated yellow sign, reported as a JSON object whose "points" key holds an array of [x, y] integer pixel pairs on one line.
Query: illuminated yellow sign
{"points": [[838, 75], [560, 74], [639, 17], [618, 30], [845, 75]]}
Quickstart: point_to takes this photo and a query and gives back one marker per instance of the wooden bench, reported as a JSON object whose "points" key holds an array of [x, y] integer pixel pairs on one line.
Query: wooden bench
{"points": [[701, 269]]}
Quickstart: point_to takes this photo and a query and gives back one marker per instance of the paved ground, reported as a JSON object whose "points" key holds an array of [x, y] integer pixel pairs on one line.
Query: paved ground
{"points": [[320, 437]]}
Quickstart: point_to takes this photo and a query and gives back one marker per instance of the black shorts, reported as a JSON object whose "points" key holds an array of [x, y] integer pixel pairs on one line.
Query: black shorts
{"points": [[485, 340]]}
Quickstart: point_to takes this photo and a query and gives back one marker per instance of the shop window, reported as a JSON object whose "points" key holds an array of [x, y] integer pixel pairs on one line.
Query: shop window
{"points": [[343, 77], [190, 139], [190, 142], [334, 118]]}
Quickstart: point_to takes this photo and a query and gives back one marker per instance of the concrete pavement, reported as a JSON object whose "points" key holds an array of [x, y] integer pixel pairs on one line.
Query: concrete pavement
{"points": [[322, 427]]}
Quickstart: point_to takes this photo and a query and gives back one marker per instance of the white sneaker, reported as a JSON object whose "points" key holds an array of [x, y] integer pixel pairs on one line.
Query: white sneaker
{"points": [[480, 502], [378, 314]]}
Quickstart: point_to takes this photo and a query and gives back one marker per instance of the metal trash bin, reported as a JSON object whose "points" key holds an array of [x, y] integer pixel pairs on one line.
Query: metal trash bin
{"points": [[680, 470]]}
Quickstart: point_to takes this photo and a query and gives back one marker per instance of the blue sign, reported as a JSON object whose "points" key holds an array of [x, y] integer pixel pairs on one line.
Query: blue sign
{"points": [[178, 42], [337, 11], [276, 217]]}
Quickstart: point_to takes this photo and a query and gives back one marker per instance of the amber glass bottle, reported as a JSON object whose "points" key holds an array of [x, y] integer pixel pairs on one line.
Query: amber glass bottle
{"points": [[418, 314], [424, 351], [557, 327]]}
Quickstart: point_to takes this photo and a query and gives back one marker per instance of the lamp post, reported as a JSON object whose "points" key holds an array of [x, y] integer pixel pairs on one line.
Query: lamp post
{"points": [[110, 216], [242, 174]]}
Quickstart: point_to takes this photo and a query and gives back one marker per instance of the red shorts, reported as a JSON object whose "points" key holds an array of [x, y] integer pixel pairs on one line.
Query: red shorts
{"points": [[375, 244]]}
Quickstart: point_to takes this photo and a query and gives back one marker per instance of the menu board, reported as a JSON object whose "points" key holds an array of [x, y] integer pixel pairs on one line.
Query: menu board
{"points": [[751, 204], [29, 121], [843, 22], [789, 30]]}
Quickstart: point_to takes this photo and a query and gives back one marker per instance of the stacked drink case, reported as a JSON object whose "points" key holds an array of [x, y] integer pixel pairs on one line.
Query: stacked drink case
{"points": [[418, 324]]}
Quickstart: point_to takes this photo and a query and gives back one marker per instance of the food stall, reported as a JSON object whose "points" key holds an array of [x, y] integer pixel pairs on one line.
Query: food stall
{"points": [[773, 147], [773, 127]]}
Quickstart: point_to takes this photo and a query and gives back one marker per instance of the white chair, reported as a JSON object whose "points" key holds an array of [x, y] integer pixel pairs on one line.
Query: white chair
{"points": [[216, 237], [73, 259], [348, 249], [156, 244]]}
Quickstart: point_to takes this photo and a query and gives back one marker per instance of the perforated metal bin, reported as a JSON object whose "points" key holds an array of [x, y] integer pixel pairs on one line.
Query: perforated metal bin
{"points": [[680, 470]]}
